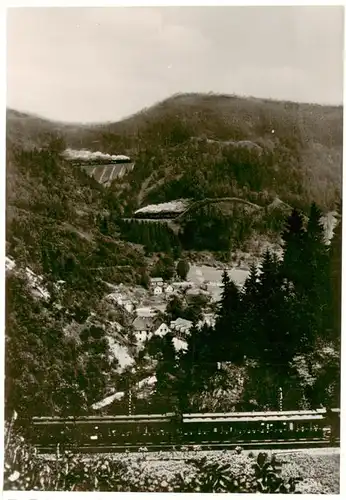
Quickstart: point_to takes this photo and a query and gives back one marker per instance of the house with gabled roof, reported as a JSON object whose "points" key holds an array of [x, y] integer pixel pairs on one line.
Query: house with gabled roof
{"points": [[156, 285], [208, 319], [145, 312], [162, 330], [181, 325], [142, 328], [156, 281]]}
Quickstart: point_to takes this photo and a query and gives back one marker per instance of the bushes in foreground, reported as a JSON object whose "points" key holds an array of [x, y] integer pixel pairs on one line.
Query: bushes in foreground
{"points": [[205, 472]]}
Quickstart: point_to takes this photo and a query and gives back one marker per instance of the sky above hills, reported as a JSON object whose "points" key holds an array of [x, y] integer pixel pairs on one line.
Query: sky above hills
{"points": [[99, 64]]}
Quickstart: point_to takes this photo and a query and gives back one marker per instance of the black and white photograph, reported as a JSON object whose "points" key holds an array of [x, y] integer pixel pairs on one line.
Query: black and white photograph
{"points": [[173, 249]]}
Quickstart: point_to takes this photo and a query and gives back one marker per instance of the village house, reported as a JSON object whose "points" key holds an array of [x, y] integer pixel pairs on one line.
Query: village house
{"points": [[162, 330], [208, 319], [146, 328], [181, 325], [179, 344], [145, 312], [158, 290], [169, 289], [156, 286], [156, 282], [142, 328], [121, 300], [181, 285]]}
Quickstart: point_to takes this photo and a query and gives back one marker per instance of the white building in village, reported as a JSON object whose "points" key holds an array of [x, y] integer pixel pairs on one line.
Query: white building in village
{"points": [[145, 312], [156, 286], [207, 319], [169, 289], [181, 325], [146, 328], [162, 330], [121, 300], [179, 344], [142, 328], [129, 306], [159, 287], [182, 285], [156, 282]]}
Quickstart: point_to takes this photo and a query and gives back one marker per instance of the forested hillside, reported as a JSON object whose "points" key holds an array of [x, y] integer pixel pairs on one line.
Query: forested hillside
{"points": [[54, 228], [197, 145], [68, 229]]}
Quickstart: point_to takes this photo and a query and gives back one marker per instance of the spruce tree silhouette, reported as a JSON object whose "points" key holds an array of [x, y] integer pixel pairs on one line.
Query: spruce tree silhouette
{"points": [[272, 327], [336, 282], [166, 373], [314, 281], [229, 342], [250, 312], [293, 238]]}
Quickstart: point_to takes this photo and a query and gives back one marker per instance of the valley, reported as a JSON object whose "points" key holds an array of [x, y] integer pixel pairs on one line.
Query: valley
{"points": [[176, 212]]}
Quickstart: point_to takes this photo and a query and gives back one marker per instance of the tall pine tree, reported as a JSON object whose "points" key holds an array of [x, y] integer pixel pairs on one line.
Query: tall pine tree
{"points": [[228, 335], [250, 313], [272, 327], [293, 238], [335, 252], [315, 280]]}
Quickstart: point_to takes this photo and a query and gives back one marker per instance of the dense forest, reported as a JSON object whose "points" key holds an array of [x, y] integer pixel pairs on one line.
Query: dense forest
{"points": [[154, 237], [207, 228]]}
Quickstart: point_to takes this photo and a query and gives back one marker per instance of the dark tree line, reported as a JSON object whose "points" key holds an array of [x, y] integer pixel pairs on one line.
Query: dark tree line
{"points": [[155, 237]]}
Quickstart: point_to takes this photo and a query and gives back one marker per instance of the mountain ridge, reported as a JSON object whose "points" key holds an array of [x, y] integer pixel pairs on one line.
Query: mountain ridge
{"points": [[300, 145]]}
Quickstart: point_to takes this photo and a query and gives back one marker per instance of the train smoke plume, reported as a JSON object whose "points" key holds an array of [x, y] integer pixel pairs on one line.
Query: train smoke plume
{"points": [[86, 155]]}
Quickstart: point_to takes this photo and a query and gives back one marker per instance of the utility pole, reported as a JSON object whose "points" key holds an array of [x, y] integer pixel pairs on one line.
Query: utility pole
{"points": [[130, 384], [130, 401], [280, 398]]}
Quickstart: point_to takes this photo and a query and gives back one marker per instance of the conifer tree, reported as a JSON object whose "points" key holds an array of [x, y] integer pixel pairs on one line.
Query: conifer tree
{"points": [[228, 338], [190, 358], [335, 279], [182, 269], [293, 237], [272, 327], [148, 241], [166, 374], [315, 280], [250, 312], [250, 289]]}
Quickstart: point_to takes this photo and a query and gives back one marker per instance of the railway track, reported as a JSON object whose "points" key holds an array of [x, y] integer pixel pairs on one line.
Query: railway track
{"points": [[210, 446]]}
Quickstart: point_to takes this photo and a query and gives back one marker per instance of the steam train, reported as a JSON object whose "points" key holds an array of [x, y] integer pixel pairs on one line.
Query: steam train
{"points": [[223, 429]]}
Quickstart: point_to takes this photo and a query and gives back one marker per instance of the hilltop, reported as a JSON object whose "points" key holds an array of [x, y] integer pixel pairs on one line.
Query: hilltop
{"points": [[272, 148]]}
